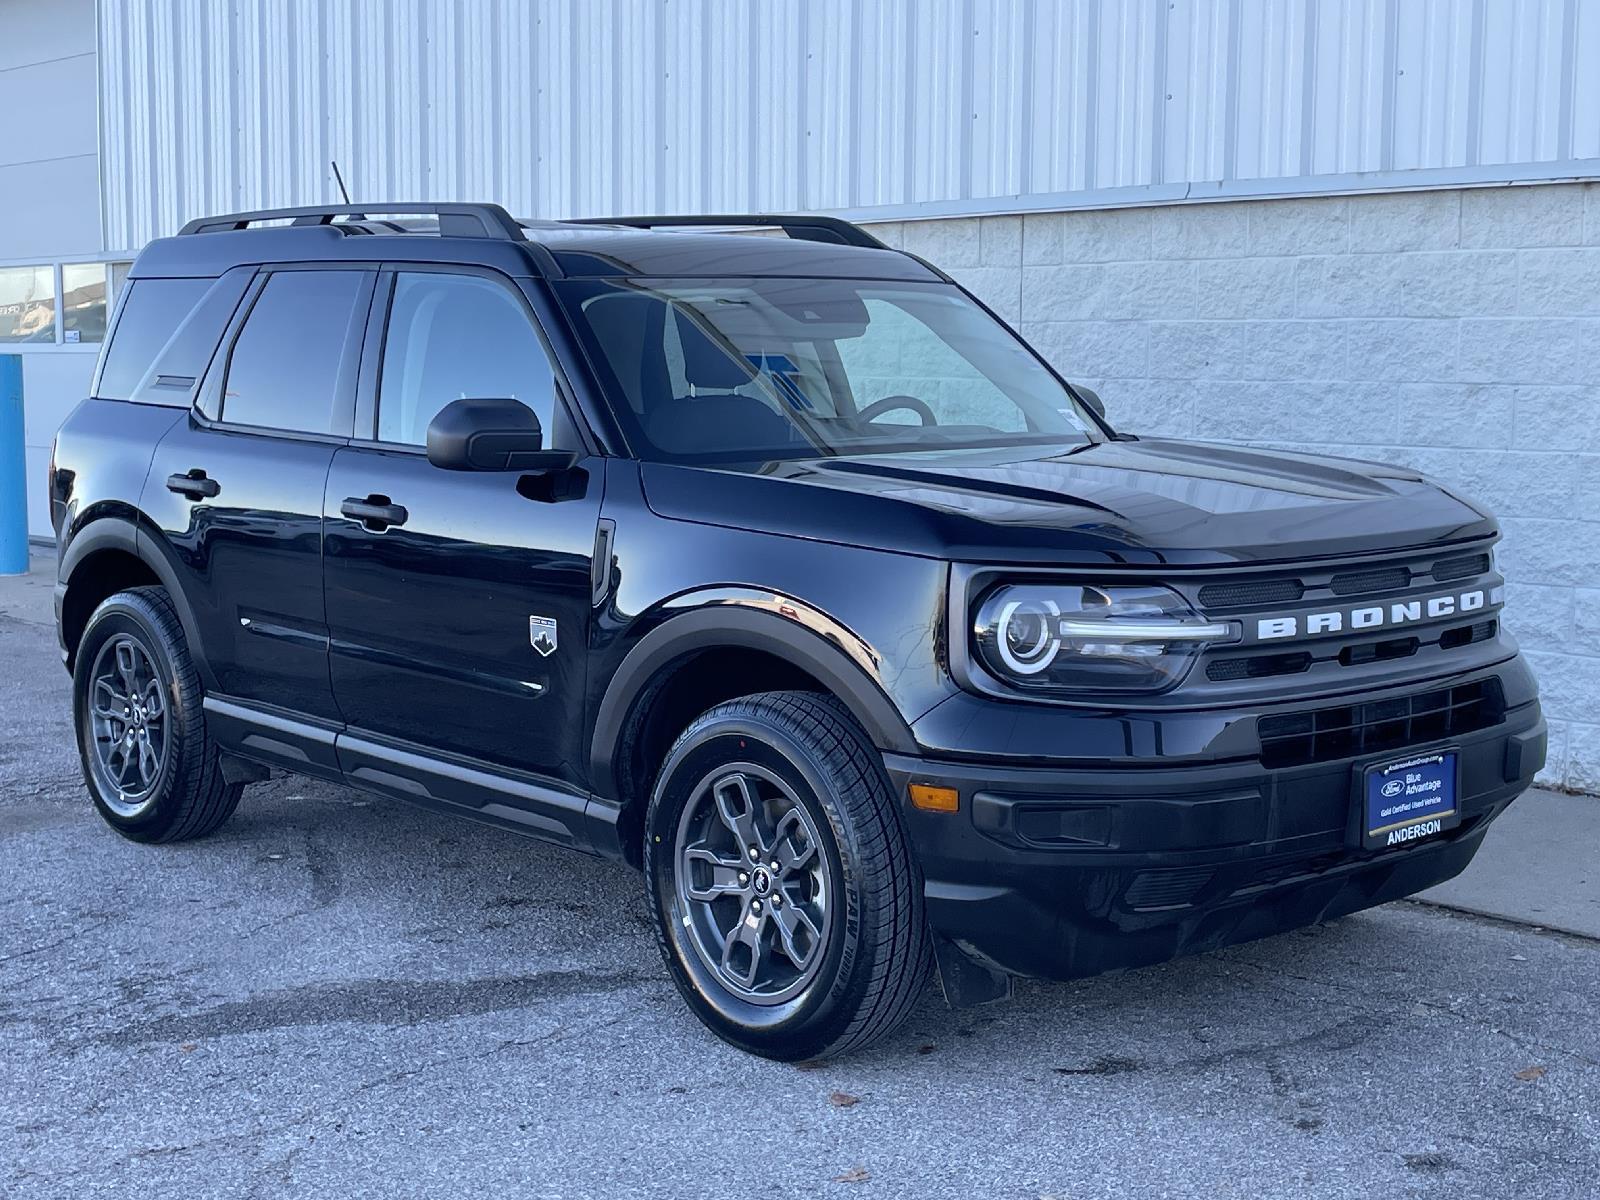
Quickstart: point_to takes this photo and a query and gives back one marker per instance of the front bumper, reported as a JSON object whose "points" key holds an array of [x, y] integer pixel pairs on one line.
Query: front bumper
{"points": [[1061, 871]]}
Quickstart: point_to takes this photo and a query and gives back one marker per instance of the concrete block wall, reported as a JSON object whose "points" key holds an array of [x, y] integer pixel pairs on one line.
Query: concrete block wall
{"points": [[1457, 332]]}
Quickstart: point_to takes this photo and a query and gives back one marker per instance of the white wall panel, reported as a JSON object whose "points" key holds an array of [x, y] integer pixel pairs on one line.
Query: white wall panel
{"points": [[561, 107]]}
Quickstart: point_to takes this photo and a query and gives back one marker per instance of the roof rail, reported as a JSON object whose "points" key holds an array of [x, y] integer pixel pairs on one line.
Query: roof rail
{"points": [[455, 220], [809, 227]]}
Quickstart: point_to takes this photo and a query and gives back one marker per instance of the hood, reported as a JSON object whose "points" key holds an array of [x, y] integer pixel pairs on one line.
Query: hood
{"points": [[1133, 503]]}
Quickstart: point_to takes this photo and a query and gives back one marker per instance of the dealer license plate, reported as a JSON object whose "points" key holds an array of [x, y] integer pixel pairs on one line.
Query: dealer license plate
{"points": [[1409, 799]]}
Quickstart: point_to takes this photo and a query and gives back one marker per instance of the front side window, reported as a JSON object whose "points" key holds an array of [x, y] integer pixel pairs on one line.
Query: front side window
{"points": [[794, 368], [285, 366], [28, 305], [453, 337]]}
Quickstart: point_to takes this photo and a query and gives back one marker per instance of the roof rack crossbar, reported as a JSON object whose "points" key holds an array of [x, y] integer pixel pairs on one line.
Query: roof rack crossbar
{"points": [[455, 220], [808, 227]]}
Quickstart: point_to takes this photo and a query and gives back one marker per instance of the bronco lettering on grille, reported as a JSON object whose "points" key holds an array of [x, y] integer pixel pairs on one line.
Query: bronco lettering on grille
{"points": [[1374, 616]]}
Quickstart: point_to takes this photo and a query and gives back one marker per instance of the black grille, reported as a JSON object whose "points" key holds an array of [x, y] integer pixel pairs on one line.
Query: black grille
{"points": [[1460, 566], [1256, 668], [1254, 591], [1355, 656], [1465, 635], [1293, 739], [1356, 583], [1167, 889]]}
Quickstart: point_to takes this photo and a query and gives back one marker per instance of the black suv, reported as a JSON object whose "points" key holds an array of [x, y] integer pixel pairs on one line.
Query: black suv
{"points": [[778, 567]]}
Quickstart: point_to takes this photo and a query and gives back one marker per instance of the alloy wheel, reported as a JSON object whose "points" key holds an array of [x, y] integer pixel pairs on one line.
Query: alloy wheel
{"points": [[753, 885], [127, 714]]}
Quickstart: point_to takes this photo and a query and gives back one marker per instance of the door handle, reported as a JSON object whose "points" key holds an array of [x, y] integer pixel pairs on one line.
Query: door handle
{"points": [[194, 485], [374, 512]]}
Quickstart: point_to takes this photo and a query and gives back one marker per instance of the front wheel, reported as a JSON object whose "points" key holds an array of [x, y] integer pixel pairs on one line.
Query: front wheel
{"points": [[788, 906]]}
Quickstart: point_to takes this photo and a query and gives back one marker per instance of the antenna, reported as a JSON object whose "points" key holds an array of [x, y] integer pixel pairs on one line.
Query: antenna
{"points": [[339, 179]]}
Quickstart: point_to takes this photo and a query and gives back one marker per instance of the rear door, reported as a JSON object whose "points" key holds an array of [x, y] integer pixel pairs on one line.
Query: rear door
{"points": [[437, 607], [237, 486]]}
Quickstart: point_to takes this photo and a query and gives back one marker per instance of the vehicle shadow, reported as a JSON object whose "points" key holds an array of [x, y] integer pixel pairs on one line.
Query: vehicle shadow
{"points": [[478, 899]]}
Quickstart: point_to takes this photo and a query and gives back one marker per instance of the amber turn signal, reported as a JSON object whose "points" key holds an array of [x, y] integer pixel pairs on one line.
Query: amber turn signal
{"points": [[935, 799]]}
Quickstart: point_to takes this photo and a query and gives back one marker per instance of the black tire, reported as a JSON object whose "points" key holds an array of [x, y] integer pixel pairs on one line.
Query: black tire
{"points": [[874, 956], [185, 795]]}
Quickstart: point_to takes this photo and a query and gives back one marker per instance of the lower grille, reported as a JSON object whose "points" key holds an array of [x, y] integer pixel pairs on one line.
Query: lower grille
{"points": [[1294, 739], [1260, 667], [1465, 635], [1167, 889]]}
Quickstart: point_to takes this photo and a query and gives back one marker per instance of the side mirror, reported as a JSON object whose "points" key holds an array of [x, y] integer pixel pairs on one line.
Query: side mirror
{"points": [[498, 434], [1090, 397]]}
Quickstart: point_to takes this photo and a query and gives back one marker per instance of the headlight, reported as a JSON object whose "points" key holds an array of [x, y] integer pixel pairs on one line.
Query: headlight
{"points": [[1113, 637]]}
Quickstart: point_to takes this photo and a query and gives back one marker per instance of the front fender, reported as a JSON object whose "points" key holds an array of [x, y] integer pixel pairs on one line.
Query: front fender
{"points": [[750, 618]]}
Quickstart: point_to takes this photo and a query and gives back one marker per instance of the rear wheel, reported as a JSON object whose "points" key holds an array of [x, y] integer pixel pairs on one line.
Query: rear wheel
{"points": [[788, 907], [151, 768]]}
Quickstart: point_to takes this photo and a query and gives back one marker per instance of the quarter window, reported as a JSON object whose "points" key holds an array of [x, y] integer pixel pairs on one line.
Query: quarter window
{"points": [[285, 366], [156, 308], [452, 337]]}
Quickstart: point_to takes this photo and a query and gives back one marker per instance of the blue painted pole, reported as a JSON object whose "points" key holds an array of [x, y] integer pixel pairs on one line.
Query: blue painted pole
{"points": [[13, 470]]}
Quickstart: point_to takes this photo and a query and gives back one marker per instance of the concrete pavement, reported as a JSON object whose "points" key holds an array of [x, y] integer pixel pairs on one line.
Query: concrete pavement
{"points": [[1540, 865], [339, 996]]}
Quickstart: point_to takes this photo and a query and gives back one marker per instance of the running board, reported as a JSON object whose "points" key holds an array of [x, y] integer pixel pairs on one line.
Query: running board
{"points": [[517, 801]]}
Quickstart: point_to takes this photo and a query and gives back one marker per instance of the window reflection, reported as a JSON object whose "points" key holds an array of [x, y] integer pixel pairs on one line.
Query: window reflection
{"points": [[83, 302], [28, 305]]}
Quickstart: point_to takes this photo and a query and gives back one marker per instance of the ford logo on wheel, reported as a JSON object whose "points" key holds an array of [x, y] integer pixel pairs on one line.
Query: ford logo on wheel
{"points": [[1393, 788]]}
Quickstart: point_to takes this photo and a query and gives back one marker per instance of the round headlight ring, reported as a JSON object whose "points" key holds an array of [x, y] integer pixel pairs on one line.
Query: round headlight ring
{"points": [[1025, 635]]}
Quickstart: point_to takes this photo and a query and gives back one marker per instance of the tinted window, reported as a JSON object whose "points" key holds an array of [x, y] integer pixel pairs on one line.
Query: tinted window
{"points": [[284, 369], [455, 336], [154, 310]]}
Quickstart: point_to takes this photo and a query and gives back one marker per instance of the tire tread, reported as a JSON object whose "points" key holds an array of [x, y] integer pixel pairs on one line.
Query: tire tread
{"points": [[205, 800], [901, 950]]}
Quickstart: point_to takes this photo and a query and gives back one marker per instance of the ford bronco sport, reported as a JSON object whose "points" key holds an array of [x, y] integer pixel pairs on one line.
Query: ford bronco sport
{"points": [[779, 568]]}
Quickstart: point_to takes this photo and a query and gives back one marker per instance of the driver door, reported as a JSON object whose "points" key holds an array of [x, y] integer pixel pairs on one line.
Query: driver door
{"points": [[440, 583]]}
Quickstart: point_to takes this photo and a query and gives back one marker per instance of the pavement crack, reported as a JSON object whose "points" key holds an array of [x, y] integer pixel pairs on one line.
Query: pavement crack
{"points": [[61, 941]]}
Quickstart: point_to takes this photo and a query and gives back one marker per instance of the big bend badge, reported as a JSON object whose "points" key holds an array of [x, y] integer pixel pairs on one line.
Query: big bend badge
{"points": [[542, 633]]}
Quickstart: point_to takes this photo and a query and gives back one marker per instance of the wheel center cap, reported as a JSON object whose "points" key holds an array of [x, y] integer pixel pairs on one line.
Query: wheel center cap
{"points": [[761, 883]]}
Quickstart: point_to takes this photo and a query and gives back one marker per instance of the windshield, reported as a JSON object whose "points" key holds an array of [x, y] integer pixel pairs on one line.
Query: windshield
{"points": [[796, 368]]}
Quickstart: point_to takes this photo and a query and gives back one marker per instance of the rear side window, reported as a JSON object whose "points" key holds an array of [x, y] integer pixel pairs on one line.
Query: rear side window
{"points": [[152, 314], [284, 370]]}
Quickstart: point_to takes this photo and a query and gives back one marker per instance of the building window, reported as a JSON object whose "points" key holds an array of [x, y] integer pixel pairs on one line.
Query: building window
{"points": [[28, 305], [119, 276], [83, 302]]}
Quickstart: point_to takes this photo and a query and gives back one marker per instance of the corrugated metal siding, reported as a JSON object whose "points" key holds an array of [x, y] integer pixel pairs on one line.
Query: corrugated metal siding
{"points": [[562, 107]]}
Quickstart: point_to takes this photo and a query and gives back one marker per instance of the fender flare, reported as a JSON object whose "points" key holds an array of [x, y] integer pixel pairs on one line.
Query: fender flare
{"points": [[734, 621], [122, 534]]}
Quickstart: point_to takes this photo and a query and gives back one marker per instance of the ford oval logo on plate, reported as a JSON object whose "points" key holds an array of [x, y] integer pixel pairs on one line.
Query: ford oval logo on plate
{"points": [[1409, 799]]}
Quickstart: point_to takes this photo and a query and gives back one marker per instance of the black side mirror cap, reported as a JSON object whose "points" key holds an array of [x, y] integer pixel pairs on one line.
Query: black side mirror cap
{"points": [[491, 434], [1090, 397]]}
